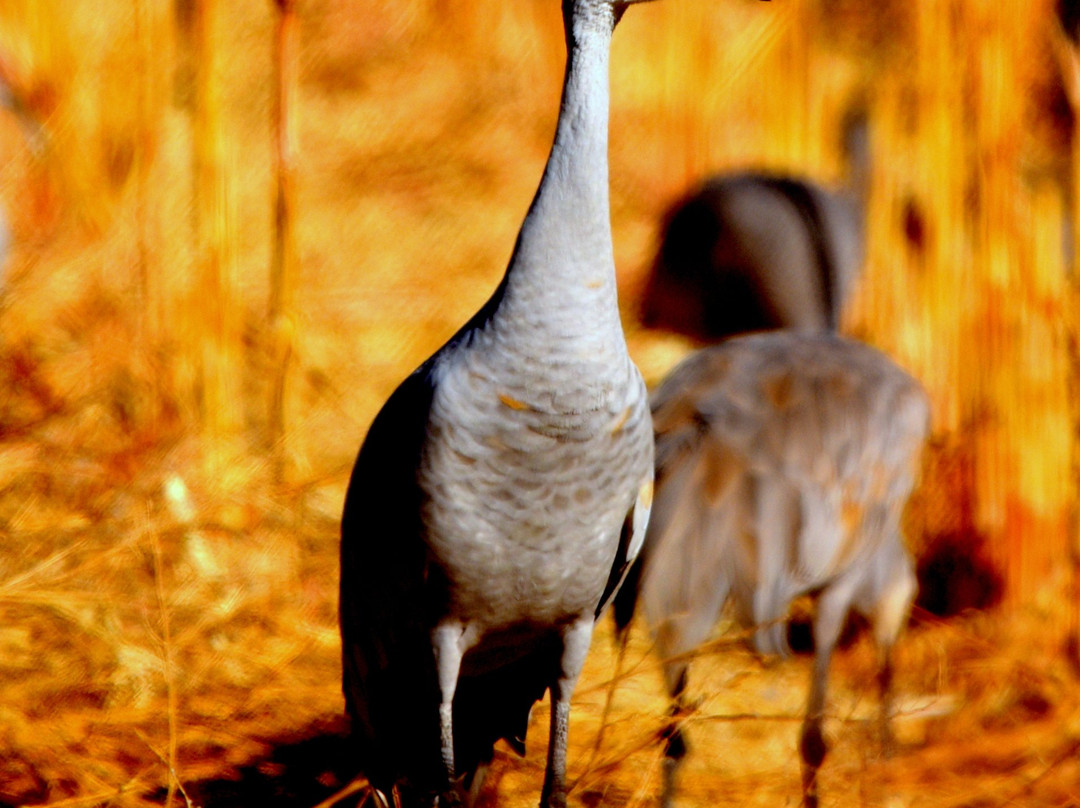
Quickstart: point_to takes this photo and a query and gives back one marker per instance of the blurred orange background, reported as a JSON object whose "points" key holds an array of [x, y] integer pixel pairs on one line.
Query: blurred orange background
{"points": [[187, 378]]}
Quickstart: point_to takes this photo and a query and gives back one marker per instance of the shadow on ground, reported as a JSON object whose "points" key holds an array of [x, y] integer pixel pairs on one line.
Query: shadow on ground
{"points": [[303, 769]]}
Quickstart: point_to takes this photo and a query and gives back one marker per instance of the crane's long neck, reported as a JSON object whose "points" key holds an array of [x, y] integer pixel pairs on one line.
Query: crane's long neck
{"points": [[561, 278]]}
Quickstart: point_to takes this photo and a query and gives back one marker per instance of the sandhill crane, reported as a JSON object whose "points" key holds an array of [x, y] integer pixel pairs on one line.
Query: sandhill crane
{"points": [[747, 251], [752, 250], [503, 489], [784, 460]]}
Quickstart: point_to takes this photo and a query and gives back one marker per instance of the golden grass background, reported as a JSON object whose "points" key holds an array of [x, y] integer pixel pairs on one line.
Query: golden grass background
{"points": [[184, 385]]}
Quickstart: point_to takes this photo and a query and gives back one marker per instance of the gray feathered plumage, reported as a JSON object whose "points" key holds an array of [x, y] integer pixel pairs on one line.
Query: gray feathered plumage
{"points": [[503, 489]]}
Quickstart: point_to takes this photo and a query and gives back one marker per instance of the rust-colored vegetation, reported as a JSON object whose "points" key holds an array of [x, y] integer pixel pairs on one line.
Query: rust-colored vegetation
{"points": [[241, 223]]}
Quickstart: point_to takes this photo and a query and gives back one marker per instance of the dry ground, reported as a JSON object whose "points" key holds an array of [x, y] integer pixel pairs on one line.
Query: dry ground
{"points": [[168, 611]]}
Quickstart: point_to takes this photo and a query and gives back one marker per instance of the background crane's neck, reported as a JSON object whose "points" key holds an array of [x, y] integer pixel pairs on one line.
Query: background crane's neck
{"points": [[561, 278]]}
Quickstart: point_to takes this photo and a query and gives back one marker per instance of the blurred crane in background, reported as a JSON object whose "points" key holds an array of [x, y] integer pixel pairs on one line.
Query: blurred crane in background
{"points": [[784, 459], [503, 489], [783, 464], [752, 250]]}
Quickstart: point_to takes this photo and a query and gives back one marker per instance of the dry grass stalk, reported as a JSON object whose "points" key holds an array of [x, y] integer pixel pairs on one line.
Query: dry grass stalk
{"points": [[282, 314], [150, 88], [168, 673], [215, 319], [1067, 54]]}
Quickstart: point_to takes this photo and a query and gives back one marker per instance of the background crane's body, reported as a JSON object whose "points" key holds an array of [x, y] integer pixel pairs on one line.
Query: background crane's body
{"points": [[784, 461]]}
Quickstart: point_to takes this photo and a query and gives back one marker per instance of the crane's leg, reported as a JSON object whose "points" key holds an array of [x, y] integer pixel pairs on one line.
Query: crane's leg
{"points": [[677, 636], [885, 676], [576, 638], [890, 612], [832, 609], [448, 643], [674, 743]]}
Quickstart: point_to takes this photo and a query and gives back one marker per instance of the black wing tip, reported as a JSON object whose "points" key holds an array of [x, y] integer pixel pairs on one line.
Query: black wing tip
{"points": [[625, 602]]}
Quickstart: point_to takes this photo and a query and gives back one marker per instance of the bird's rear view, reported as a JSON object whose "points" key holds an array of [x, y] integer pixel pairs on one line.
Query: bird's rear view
{"points": [[784, 463], [502, 490]]}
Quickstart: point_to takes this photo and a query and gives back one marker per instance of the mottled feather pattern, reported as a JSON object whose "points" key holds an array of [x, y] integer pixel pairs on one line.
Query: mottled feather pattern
{"points": [[791, 435], [539, 469]]}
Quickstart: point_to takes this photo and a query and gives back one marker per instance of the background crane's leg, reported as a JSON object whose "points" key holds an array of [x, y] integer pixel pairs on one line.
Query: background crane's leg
{"points": [[890, 613], [778, 517], [447, 642], [674, 742], [885, 690], [676, 637], [831, 611], [576, 639]]}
